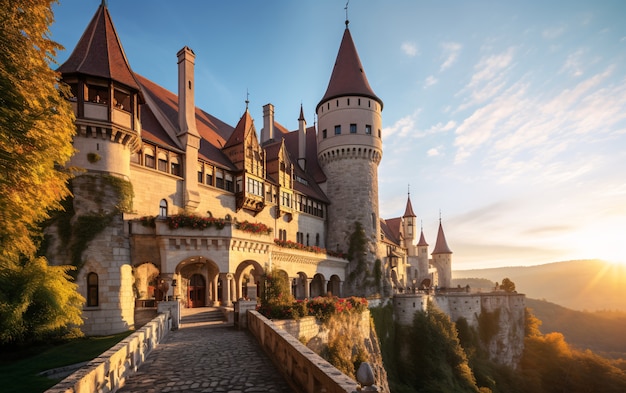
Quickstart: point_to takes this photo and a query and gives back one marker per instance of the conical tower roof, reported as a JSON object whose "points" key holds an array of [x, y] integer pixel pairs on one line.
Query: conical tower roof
{"points": [[422, 241], [99, 52], [348, 77], [408, 212], [441, 246]]}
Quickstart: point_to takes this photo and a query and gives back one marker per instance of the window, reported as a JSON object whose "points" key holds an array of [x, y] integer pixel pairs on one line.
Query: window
{"points": [[307, 239], [92, 290], [255, 187], [352, 128], [149, 161], [324, 134], [97, 94], [368, 129], [348, 102], [121, 100], [229, 182], [175, 167], [337, 130], [163, 208], [200, 173], [317, 240], [162, 162], [286, 199], [219, 179], [379, 133], [135, 158]]}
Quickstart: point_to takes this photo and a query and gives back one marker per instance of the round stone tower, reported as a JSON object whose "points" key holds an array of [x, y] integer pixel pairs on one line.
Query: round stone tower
{"points": [[349, 150], [105, 98]]}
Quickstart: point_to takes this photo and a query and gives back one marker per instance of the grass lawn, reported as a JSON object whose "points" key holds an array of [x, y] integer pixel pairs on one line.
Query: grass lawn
{"points": [[19, 369]]}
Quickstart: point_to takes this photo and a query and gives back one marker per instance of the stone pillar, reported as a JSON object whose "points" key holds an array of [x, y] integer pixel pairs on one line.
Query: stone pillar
{"points": [[226, 293], [307, 288], [214, 294], [251, 288]]}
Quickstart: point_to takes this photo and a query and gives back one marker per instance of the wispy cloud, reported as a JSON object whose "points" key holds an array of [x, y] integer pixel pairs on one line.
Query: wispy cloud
{"points": [[434, 152], [402, 127], [574, 63], [429, 81], [489, 78], [553, 32], [451, 52], [409, 49]]}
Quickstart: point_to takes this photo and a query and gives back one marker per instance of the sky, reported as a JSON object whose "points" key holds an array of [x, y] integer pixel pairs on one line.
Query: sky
{"points": [[506, 119]]}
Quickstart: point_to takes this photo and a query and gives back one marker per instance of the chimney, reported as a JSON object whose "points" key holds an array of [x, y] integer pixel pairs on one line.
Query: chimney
{"points": [[186, 87], [267, 135], [302, 140]]}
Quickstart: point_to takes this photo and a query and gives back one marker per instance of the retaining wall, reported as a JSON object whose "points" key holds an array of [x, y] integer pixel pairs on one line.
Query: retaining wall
{"points": [[108, 372], [304, 369]]}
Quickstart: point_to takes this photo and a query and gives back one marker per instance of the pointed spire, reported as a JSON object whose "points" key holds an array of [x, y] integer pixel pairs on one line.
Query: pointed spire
{"points": [[408, 212], [301, 113], [441, 246], [422, 241], [241, 130], [348, 77], [99, 52]]}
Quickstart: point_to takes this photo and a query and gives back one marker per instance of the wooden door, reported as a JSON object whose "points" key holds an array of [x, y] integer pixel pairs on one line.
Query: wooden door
{"points": [[196, 291]]}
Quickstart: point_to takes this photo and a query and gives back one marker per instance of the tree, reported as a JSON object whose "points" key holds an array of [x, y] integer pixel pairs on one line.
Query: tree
{"points": [[36, 124], [507, 285], [36, 130]]}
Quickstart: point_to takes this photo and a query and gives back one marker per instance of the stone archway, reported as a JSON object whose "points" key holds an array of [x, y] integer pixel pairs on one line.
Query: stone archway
{"points": [[247, 277], [334, 285], [196, 282], [318, 285], [301, 286], [146, 284]]}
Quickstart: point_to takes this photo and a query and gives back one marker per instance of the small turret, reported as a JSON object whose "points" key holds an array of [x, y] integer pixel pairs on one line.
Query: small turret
{"points": [[302, 140], [408, 222], [442, 259]]}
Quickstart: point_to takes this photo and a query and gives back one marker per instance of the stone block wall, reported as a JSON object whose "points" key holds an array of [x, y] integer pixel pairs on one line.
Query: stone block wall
{"points": [[108, 372]]}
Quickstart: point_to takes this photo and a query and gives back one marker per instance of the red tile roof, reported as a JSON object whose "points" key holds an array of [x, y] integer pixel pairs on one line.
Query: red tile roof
{"points": [[348, 77], [409, 209], [99, 52], [441, 246], [422, 241]]}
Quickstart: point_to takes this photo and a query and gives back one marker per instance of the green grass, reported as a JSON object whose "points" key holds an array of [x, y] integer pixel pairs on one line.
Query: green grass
{"points": [[19, 367]]}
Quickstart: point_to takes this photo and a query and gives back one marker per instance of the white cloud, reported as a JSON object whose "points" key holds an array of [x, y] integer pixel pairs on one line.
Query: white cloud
{"points": [[409, 49], [489, 78], [553, 32], [574, 63], [431, 80], [402, 127], [451, 53], [433, 152]]}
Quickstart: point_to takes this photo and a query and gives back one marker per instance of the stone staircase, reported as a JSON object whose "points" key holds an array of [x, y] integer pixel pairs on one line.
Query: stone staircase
{"points": [[202, 316]]}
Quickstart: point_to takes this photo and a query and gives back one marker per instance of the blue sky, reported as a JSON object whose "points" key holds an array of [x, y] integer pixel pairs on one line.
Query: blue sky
{"points": [[508, 117]]}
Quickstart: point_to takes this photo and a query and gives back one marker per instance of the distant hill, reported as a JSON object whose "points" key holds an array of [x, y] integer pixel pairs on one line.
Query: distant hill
{"points": [[602, 332], [579, 285]]}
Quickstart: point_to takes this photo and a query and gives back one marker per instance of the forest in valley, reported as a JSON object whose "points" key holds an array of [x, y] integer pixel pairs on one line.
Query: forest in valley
{"points": [[436, 354]]}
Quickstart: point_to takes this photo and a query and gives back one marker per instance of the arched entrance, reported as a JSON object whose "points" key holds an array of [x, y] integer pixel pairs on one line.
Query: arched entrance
{"points": [[196, 291]]}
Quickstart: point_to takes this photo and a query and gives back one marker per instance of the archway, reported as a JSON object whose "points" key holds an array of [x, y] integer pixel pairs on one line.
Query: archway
{"points": [[247, 276], [197, 282], [318, 285], [334, 285]]}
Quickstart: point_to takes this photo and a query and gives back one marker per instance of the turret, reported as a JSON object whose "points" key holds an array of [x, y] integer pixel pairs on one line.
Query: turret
{"points": [[408, 224], [442, 259], [105, 98], [422, 257], [350, 149]]}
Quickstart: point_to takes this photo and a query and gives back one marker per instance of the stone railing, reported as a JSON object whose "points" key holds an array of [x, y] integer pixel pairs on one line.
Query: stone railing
{"points": [[304, 369], [108, 372]]}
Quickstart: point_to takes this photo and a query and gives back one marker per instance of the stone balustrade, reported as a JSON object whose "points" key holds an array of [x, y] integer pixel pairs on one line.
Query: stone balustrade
{"points": [[304, 369], [108, 372]]}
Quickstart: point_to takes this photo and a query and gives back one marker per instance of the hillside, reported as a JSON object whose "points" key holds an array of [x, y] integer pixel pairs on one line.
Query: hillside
{"points": [[601, 332], [579, 285]]}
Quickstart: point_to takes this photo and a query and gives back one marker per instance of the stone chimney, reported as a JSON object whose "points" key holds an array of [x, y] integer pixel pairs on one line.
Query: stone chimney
{"points": [[188, 133], [302, 140], [186, 87], [267, 135]]}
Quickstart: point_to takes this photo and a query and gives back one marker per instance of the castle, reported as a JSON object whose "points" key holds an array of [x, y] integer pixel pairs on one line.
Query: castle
{"points": [[173, 203]]}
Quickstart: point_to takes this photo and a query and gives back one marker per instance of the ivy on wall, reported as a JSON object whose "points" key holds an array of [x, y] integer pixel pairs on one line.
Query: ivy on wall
{"points": [[76, 232]]}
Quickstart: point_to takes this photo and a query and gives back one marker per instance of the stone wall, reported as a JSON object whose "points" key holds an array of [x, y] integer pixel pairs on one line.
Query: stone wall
{"points": [[108, 372], [304, 369]]}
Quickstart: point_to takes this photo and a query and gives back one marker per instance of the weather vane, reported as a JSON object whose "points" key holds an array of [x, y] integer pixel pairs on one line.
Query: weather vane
{"points": [[247, 98], [346, 8]]}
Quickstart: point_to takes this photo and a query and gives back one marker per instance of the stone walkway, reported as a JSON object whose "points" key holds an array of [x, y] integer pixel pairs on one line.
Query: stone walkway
{"points": [[207, 359]]}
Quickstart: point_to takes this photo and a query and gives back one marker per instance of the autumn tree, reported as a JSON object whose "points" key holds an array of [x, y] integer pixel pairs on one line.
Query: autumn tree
{"points": [[36, 130], [507, 285]]}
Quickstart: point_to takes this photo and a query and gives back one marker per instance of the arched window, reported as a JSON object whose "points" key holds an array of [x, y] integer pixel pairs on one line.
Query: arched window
{"points": [[92, 290], [163, 208]]}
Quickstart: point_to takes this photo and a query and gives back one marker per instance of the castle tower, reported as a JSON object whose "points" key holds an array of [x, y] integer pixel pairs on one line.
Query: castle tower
{"points": [[442, 259], [408, 225], [350, 149], [422, 258], [106, 98]]}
